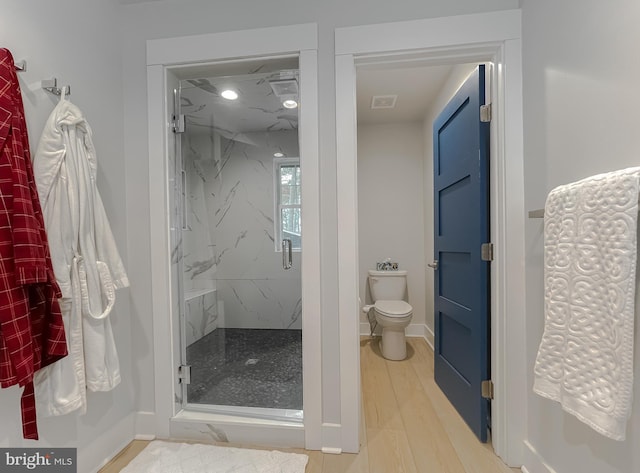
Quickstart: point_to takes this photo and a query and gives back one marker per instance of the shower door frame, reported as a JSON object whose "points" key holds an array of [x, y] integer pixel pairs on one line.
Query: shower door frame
{"points": [[164, 57]]}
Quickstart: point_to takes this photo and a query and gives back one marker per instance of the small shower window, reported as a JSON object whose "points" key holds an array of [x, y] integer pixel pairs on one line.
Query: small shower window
{"points": [[287, 196]]}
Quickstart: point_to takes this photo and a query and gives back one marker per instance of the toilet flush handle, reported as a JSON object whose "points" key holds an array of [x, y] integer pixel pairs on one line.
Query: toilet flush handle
{"points": [[433, 265]]}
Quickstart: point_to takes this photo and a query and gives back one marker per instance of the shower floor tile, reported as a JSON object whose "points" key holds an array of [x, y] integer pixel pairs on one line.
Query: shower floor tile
{"points": [[247, 367]]}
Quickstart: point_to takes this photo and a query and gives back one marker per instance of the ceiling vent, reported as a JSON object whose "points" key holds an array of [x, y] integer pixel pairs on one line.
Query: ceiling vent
{"points": [[383, 101], [284, 87]]}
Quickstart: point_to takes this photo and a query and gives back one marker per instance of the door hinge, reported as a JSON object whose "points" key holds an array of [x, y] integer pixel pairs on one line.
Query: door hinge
{"points": [[184, 374], [487, 389], [486, 252], [485, 113], [178, 122]]}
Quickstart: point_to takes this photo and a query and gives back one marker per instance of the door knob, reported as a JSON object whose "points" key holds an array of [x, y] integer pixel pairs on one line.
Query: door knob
{"points": [[433, 265]]}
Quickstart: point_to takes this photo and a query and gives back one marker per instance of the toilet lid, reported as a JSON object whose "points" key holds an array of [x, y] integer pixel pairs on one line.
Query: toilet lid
{"points": [[393, 308]]}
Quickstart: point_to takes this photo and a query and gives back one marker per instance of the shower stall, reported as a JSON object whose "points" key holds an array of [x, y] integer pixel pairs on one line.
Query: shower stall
{"points": [[236, 233]]}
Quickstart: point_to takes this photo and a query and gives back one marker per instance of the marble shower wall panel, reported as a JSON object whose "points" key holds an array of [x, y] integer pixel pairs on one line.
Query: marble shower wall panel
{"points": [[253, 288], [201, 314], [261, 303], [199, 152]]}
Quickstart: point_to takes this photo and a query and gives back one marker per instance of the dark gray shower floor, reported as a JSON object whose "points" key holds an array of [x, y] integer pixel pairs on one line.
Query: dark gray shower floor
{"points": [[247, 367]]}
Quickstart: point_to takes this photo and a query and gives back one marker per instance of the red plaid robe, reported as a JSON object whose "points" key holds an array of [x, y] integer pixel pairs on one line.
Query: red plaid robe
{"points": [[31, 329]]}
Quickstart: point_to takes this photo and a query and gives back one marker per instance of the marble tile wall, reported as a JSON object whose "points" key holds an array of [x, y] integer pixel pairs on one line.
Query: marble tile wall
{"points": [[229, 242], [200, 303], [201, 313], [199, 150]]}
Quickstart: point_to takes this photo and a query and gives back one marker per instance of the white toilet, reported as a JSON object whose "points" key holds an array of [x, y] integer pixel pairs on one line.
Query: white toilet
{"points": [[388, 290]]}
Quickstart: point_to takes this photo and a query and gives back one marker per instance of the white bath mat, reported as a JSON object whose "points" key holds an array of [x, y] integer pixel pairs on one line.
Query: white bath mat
{"points": [[169, 457]]}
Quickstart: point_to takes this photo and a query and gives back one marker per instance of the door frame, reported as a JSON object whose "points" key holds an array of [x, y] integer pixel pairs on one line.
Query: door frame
{"points": [[168, 54], [487, 37]]}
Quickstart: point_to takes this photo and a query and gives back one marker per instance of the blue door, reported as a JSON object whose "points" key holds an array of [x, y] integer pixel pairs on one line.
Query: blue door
{"points": [[461, 214]]}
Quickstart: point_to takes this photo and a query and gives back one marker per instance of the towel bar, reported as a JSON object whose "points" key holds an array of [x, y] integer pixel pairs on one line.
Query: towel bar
{"points": [[538, 213]]}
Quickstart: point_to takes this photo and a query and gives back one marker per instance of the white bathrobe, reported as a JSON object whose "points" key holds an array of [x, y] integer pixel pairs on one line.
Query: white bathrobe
{"points": [[85, 260]]}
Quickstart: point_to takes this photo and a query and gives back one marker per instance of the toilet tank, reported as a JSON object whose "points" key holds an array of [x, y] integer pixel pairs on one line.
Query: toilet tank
{"points": [[387, 285]]}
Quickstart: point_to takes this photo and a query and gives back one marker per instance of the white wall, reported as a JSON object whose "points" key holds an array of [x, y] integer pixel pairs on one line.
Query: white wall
{"points": [[581, 117], [391, 206], [456, 78], [175, 18], [78, 42]]}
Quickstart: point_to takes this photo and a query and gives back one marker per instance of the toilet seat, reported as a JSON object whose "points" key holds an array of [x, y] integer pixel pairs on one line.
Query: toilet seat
{"points": [[393, 309]]}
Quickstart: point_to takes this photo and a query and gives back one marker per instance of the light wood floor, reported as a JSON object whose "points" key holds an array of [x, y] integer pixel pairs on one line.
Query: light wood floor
{"points": [[408, 425]]}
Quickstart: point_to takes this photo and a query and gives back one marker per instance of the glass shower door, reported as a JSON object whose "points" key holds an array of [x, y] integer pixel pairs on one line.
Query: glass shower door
{"points": [[242, 325]]}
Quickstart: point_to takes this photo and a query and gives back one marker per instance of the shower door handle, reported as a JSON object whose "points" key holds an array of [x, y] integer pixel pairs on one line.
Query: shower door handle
{"points": [[183, 197], [287, 261]]}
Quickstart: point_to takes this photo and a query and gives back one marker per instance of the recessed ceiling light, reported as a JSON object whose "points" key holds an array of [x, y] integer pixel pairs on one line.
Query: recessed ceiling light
{"points": [[290, 103], [229, 94], [278, 155]]}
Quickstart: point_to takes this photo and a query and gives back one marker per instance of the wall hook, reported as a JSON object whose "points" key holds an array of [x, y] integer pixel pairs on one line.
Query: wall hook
{"points": [[51, 85]]}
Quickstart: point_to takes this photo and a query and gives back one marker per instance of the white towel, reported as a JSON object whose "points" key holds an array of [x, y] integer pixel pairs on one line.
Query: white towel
{"points": [[585, 359]]}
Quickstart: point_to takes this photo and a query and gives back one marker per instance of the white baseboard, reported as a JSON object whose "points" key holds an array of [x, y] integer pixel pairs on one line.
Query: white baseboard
{"points": [[429, 337], [108, 445], [413, 330], [332, 451], [145, 425], [365, 330], [331, 438], [137, 425], [533, 461]]}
